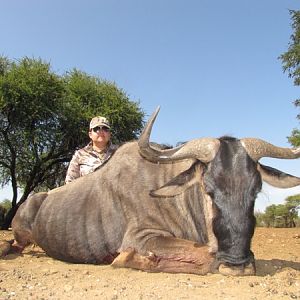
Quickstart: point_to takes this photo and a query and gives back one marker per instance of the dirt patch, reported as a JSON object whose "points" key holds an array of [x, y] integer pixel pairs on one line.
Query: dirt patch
{"points": [[34, 275]]}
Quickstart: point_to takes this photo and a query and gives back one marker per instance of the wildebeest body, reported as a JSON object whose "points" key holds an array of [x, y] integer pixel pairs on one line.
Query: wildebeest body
{"points": [[98, 215], [186, 209]]}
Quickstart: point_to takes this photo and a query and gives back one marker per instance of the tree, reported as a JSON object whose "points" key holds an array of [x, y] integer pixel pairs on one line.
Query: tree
{"points": [[293, 201], [260, 219], [44, 117], [293, 204], [291, 64], [5, 206], [284, 217], [270, 214], [281, 215]]}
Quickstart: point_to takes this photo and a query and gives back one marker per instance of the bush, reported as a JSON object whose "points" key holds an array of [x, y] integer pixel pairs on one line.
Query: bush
{"points": [[5, 206]]}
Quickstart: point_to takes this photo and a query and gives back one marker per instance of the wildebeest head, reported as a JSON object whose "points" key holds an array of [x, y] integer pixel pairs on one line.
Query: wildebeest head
{"points": [[231, 176]]}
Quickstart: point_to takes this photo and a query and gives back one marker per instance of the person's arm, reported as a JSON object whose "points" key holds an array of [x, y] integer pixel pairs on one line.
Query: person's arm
{"points": [[73, 171]]}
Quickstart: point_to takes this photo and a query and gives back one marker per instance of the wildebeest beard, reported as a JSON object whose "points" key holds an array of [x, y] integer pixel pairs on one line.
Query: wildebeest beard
{"points": [[233, 182]]}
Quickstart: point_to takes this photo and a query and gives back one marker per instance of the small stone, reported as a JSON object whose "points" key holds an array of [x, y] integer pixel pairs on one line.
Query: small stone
{"points": [[68, 288]]}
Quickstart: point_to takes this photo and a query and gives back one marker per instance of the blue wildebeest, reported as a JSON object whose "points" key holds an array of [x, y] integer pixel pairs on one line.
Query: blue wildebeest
{"points": [[186, 209]]}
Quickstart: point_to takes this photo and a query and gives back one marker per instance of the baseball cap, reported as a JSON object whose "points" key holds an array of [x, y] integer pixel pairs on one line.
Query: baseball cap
{"points": [[99, 121]]}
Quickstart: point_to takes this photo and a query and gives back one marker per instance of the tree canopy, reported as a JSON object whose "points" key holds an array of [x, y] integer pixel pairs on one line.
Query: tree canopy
{"points": [[44, 117], [291, 64]]}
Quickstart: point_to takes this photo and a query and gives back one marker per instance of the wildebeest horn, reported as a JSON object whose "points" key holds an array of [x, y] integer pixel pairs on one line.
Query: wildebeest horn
{"points": [[203, 149], [257, 149]]}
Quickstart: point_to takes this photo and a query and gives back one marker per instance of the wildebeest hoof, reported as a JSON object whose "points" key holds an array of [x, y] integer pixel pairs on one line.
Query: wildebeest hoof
{"points": [[130, 258], [123, 257], [237, 270]]}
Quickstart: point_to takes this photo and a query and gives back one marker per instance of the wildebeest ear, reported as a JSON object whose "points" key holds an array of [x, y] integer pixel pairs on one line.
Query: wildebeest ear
{"points": [[277, 178], [180, 183]]}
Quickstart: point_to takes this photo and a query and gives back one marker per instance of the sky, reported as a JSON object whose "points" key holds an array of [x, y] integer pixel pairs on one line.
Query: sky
{"points": [[211, 65]]}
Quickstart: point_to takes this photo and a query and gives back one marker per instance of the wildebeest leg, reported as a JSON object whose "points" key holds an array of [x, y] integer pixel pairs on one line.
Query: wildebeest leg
{"points": [[168, 254], [23, 220]]}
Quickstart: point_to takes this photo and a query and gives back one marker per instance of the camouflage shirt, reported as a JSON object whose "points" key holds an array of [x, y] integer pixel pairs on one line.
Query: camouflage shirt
{"points": [[87, 160]]}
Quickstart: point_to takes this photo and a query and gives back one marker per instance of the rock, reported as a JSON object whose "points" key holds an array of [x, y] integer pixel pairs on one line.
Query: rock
{"points": [[4, 248]]}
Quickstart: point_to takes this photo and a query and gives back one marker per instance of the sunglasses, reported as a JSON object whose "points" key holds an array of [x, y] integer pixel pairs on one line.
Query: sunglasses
{"points": [[99, 128]]}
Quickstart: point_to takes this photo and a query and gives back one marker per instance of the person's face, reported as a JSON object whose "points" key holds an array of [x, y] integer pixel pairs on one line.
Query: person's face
{"points": [[100, 134]]}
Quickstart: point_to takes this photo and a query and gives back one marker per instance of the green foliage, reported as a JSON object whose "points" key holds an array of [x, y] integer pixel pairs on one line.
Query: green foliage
{"points": [[291, 58], [270, 215], [30, 107], [291, 64], [288, 214], [294, 200], [294, 139], [6, 204], [91, 96], [44, 117], [293, 203]]}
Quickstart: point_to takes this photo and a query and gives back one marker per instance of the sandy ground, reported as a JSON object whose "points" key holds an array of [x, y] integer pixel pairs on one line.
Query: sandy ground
{"points": [[34, 275]]}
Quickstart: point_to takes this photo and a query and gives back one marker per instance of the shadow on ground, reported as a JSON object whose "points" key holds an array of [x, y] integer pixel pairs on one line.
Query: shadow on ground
{"points": [[270, 267]]}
